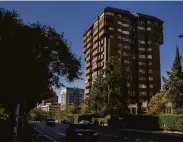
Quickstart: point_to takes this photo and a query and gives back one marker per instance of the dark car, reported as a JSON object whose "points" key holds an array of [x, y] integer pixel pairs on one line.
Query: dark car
{"points": [[81, 133], [50, 121]]}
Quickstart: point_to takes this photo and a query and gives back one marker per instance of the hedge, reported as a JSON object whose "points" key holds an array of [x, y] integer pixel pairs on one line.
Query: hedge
{"points": [[171, 122]]}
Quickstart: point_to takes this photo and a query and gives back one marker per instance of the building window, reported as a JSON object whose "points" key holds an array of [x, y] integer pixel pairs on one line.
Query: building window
{"points": [[149, 42], [125, 19], [126, 47], [142, 56], [129, 77], [149, 49], [125, 54], [142, 71], [119, 30], [149, 56], [119, 22], [119, 37], [120, 45], [150, 63], [110, 13], [149, 71], [142, 49], [128, 84], [126, 32], [127, 68], [141, 28], [148, 22], [129, 93], [127, 61], [142, 85], [119, 16], [125, 25], [101, 41], [111, 28], [142, 63], [126, 39], [142, 78], [150, 86], [150, 78], [111, 36], [151, 94], [148, 29], [141, 42], [143, 93]]}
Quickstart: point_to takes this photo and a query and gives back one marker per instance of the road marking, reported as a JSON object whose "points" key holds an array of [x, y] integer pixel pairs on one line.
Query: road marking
{"points": [[137, 140], [53, 140], [59, 133]]}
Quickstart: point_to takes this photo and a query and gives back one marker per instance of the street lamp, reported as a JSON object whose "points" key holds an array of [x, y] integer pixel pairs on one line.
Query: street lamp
{"points": [[180, 35]]}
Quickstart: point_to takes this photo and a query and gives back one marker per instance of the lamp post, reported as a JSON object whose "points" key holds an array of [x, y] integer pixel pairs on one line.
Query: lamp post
{"points": [[180, 35]]}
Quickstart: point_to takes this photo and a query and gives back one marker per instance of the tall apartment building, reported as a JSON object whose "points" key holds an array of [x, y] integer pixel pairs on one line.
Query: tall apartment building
{"points": [[138, 37], [70, 96]]}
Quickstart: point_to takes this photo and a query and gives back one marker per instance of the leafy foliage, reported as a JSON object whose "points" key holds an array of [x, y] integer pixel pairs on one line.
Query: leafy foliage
{"points": [[32, 57], [109, 92], [3, 114], [157, 104], [171, 122], [38, 114], [173, 86], [84, 109]]}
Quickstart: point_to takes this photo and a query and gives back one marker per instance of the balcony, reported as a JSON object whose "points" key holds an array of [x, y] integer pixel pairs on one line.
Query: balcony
{"points": [[88, 71], [88, 65], [95, 52], [87, 91], [88, 84], [89, 77], [101, 33]]}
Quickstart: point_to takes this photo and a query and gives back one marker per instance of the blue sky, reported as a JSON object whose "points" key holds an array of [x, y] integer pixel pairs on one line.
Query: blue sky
{"points": [[73, 18]]}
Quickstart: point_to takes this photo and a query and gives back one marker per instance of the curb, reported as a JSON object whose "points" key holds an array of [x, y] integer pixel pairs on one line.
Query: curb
{"points": [[153, 132]]}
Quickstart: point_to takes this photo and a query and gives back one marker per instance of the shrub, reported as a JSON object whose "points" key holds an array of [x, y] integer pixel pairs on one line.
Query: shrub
{"points": [[171, 122]]}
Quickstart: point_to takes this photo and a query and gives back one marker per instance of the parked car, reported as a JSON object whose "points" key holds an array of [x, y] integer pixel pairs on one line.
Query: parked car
{"points": [[81, 132], [50, 121], [70, 120], [84, 122]]}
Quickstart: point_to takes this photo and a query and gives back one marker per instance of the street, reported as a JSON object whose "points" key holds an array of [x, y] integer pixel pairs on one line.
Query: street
{"points": [[57, 134]]}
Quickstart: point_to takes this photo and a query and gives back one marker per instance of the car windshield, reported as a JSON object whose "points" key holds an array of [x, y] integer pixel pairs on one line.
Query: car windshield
{"points": [[51, 120], [84, 121], [81, 126]]}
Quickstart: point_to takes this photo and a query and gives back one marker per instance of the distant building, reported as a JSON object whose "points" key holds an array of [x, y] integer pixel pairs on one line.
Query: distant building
{"points": [[70, 96], [50, 105]]}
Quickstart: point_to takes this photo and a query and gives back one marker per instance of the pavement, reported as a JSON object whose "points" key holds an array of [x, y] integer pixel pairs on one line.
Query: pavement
{"points": [[57, 134]]}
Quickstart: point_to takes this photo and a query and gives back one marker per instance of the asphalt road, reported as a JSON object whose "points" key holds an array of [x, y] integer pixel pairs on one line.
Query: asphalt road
{"points": [[57, 134], [53, 133]]}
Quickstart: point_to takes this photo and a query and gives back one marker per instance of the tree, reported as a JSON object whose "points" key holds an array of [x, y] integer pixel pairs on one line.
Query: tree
{"points": [[117, 87], [98, 97], [38, 114], [33, 57], [109, 92], [173, 86], [157, 104], [84, 109]]}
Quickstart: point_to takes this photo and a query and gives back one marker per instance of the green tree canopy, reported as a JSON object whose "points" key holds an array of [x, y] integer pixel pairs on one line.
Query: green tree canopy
{"points": [[173, 86], [109, 92], [33, 57], [157, 104]]}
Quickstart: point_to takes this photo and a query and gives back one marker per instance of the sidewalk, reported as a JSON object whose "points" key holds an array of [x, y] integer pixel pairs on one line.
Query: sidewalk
{"points": [[168, 133]]}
